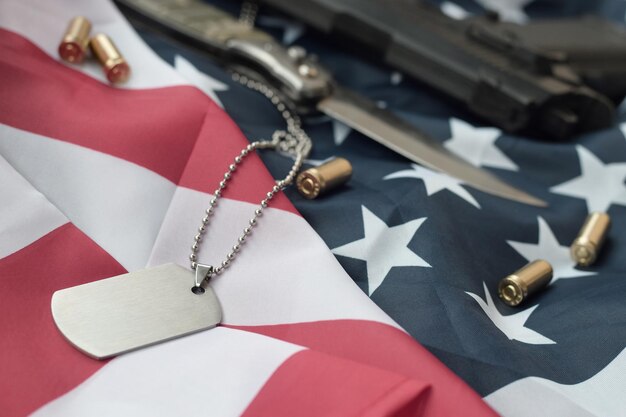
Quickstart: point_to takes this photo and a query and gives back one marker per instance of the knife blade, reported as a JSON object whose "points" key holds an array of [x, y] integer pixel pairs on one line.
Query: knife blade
{"points": [[400, 136], [306, 85]]}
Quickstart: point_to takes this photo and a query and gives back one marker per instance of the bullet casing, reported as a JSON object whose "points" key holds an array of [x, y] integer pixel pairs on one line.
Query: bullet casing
{"points": [[318, 180], [73, 47], [115, 66], [524, 282], [587, 245]]}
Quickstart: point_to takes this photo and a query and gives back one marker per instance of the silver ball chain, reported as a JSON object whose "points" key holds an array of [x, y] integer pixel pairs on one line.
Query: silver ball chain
{"points": [[293, 142], [249, 10]]}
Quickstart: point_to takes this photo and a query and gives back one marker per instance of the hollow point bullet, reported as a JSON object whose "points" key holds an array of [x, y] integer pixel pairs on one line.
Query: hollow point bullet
{"points": [[73, 47], [587, 245], [524, 282], [115, 66]]}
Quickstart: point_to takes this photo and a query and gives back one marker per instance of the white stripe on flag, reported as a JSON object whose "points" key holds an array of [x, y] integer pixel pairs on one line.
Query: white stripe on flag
{"points": [[25, 214], [604, 394], [118, 204], [212, 373], [44, 22]]}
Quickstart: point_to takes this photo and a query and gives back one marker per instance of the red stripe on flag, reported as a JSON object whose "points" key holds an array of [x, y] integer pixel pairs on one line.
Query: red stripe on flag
{"points": [[385, 347], [177, 132], [314, 384], [36, 363]]}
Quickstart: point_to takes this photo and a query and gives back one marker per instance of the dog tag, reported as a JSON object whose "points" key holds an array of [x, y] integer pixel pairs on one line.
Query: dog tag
{"points": [[135, 310]]}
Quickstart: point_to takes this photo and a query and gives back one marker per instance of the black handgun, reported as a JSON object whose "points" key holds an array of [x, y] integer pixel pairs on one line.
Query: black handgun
{"points": [[550, 79]]}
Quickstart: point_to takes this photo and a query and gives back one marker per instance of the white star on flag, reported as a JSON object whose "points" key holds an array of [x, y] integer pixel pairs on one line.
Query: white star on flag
{"points": [[396, 77], [599, 184], [453, 10], [549, 249], [435, 182], [477, 145], [512, 325], [208, 85], [340, 131], [315, 162], [508, 10], [383, 247]]}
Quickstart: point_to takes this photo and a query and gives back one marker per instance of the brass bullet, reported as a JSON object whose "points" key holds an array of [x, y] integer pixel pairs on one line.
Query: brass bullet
{"points": [[115, 66], [73, 47], [587, 245], [318, 180], [524, 282]]}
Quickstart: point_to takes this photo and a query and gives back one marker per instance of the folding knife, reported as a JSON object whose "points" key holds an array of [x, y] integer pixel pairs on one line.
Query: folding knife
{"points": [[306, 85]]}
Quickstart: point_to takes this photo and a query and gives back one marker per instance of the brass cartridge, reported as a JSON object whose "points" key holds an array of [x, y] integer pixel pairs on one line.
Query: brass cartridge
{"points": [[115, 66], [318, 180], [73, 47], [587, 245], [524, 282]]}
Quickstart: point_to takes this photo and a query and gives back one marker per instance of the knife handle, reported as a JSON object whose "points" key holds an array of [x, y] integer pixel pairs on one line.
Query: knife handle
{"points": [[298, 76], [292, 72]]}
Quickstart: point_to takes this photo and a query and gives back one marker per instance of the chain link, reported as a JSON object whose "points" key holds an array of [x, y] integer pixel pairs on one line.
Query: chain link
{"points": [[293, 142], [248, 12]]}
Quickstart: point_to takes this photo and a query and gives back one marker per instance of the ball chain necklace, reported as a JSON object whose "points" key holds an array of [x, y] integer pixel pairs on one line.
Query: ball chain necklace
{"points": [[135, 310], [294, 141]]}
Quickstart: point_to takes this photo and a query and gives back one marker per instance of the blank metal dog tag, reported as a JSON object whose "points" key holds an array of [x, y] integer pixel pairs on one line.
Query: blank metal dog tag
{"points": [[127, 312]]}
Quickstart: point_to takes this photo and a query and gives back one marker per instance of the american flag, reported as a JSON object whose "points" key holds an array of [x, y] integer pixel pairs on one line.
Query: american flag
{"points": [[377, 300]]}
